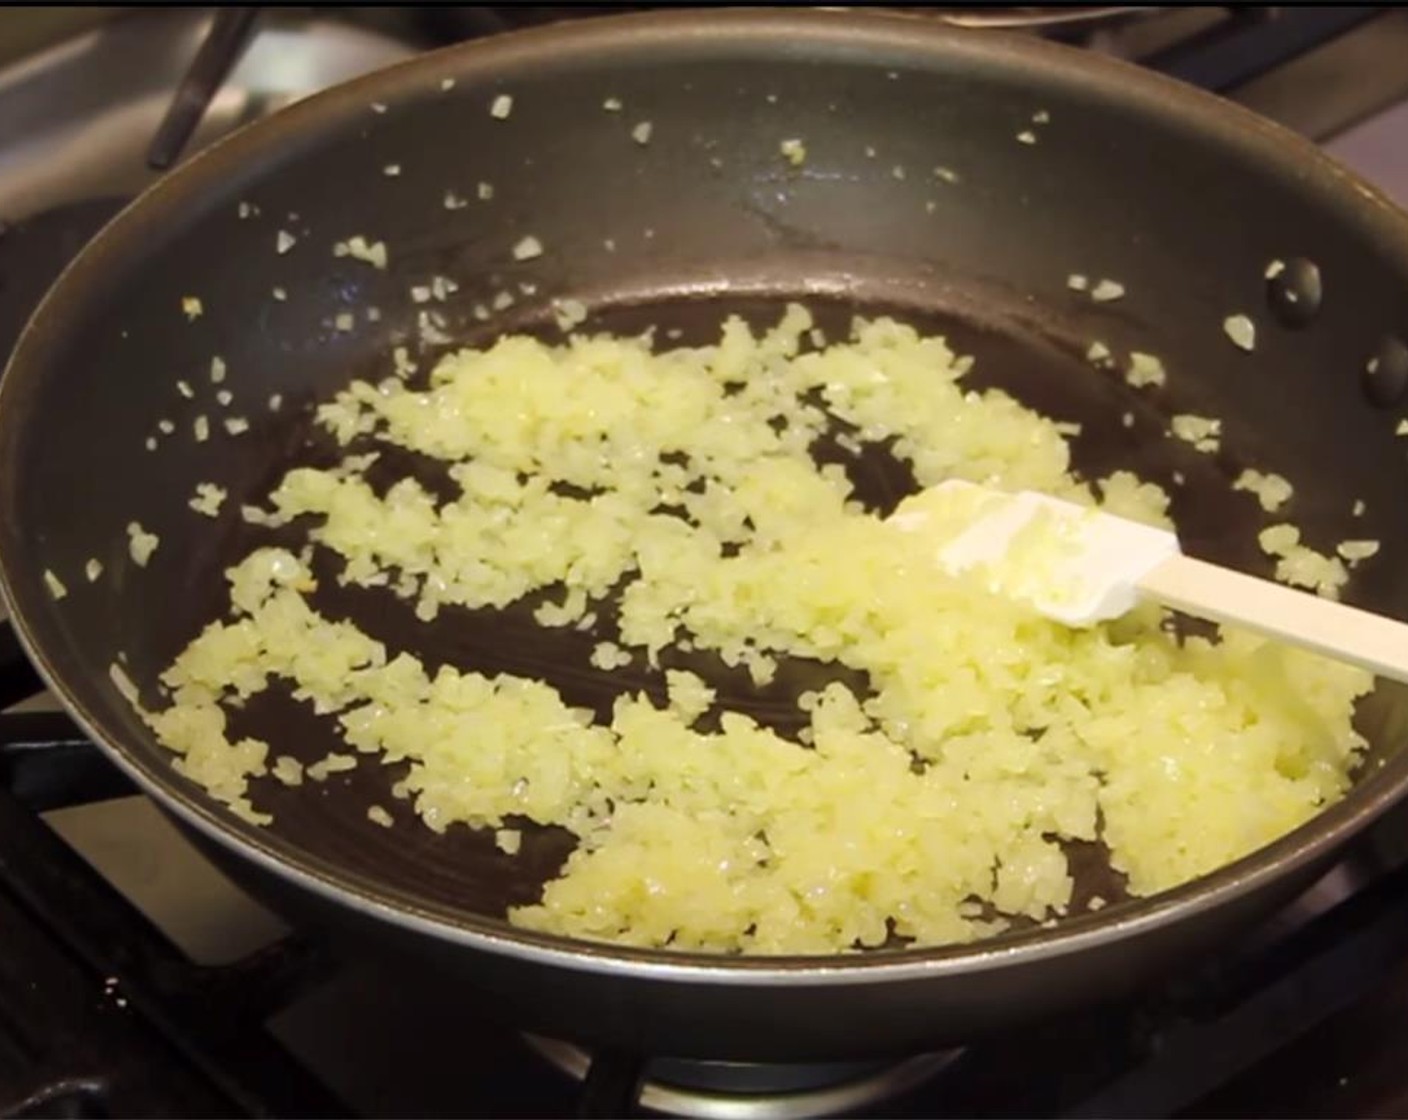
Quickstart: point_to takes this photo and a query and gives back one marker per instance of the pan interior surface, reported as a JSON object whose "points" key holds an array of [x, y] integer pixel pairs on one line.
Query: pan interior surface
{"points": [[948, 218]]}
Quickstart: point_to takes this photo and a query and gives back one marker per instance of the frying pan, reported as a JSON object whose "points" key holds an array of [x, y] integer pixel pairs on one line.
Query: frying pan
{"points": [[1179, 197]]}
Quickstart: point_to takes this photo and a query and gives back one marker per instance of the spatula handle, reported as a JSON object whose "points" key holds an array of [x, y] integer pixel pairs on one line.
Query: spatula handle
{"points": [[1346, 633]]}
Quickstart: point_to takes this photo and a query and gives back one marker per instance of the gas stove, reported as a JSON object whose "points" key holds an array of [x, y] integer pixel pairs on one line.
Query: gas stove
{"points": [[136, 980]]}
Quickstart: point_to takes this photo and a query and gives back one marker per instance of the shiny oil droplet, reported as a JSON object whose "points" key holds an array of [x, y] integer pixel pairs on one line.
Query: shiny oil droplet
{"points": [[1294, 292], [1385, 373]]}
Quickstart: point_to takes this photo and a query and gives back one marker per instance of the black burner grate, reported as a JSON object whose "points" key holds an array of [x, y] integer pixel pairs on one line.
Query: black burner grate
{"points": [[100, 1014]]}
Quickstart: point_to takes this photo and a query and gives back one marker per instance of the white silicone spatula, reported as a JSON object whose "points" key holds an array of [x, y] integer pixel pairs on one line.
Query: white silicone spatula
{"points": [[1080, 566]]}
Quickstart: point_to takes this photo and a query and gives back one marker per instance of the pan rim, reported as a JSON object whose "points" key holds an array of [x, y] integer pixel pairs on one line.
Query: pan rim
{"points": [[896, 36]]}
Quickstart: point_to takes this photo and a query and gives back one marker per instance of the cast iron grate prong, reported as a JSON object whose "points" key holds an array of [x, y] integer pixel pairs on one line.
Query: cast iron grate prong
{"points": [[47, 763], [18, 680], [612, 1085]]}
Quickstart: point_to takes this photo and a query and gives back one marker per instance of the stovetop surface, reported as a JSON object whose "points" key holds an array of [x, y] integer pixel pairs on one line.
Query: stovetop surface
{"points": [[189, 964]]}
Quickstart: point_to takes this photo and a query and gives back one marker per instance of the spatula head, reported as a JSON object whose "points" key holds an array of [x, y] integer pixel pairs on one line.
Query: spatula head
{"points": [[1075, 565]]}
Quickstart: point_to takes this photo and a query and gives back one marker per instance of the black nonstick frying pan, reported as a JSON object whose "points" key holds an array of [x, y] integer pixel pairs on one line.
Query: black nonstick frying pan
{"points": [[1179, 197]]}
